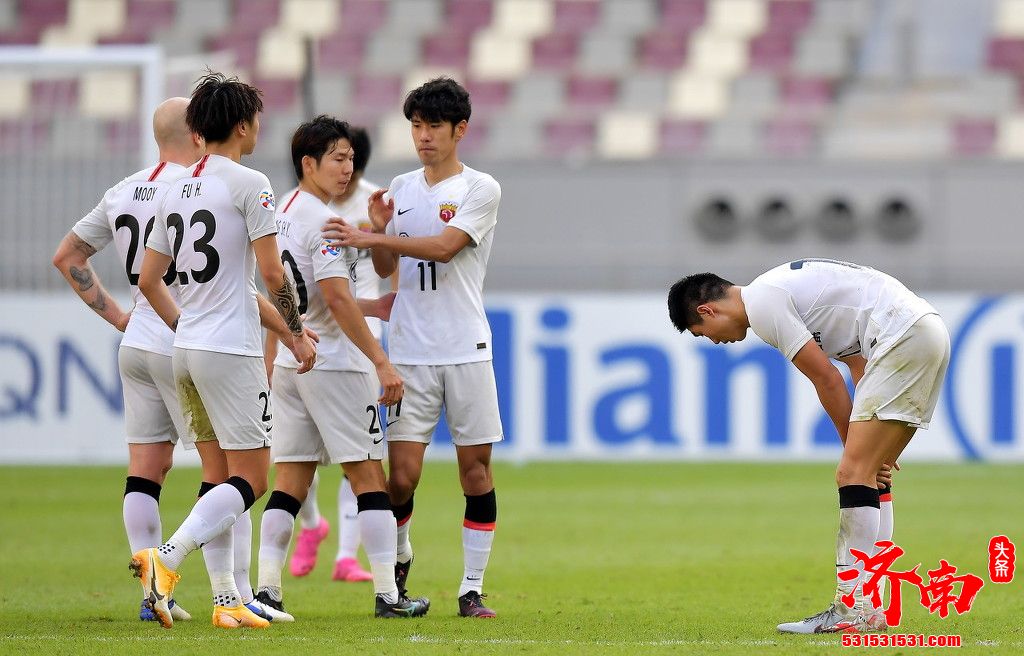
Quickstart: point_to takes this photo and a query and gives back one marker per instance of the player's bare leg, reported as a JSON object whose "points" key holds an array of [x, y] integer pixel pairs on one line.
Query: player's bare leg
{"points": [[291, 486], [477, 526], [405, 466], [378, 529], [869, 445]]}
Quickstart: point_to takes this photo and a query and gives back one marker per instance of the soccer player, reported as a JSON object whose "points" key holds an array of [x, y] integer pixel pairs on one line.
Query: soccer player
{"points": [[217, 224], [897, 349], [439, 239], [351, 206], [331, 414], [153, 419]]}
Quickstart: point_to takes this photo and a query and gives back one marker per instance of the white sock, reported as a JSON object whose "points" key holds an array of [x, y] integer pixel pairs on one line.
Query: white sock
{"points": [[214, 513], [242, 539], [378, 530], [858, 528], [141, 521], [404, 551], [348, 521], [275, 536], [220, 564], [309, 514], [885, 526], [476, 549]]}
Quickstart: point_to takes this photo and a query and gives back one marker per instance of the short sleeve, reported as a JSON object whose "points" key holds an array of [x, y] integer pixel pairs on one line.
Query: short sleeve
{"points": [[479, 213], [773, 318], [328, 261], [94, 228], [259, 206], [158, 236]]}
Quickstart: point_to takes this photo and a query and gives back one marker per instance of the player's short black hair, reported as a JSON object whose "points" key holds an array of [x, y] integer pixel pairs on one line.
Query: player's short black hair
{"points": [[360, 140], [439, 100], [691, 291], [315, 138], [220, 103]]}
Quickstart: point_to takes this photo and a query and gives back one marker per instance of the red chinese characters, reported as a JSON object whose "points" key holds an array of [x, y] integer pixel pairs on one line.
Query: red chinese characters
{"points": [[1001, 557]]}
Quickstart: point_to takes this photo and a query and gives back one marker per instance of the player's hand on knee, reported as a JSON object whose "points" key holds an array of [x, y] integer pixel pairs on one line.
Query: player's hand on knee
{"points": [[391, 384], [884, 476]]}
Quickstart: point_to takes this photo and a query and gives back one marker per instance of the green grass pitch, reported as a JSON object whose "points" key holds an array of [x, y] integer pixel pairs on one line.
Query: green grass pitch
{"points": [[588, 559]]}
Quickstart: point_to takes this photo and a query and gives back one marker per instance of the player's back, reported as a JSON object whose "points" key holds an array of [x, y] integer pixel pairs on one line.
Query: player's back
{"points": [[438, 316], [209, 219], [126, 216], [309, 259]]}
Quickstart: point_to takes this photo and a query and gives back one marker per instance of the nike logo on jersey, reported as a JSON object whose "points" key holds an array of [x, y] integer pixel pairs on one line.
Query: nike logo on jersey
{"points": [[401, 212]]}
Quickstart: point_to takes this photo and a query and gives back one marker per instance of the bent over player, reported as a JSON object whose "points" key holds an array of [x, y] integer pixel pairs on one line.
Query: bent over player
{"points": [[897, 349], [439, 239]]}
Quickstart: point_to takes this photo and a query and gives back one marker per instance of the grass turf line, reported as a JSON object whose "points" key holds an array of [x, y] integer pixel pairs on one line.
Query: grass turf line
{"points": [[588, 559]]}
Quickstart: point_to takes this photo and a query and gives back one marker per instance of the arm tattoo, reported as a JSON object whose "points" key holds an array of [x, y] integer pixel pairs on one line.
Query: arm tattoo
{"points": [[284, 299], [82, 245], [174, 326], [83, 277], [100, 304]]}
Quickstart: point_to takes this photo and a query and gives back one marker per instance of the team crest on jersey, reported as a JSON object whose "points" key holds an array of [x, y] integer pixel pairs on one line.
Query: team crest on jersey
{"points": [[267, 199], [327, 249], [447, 212]]}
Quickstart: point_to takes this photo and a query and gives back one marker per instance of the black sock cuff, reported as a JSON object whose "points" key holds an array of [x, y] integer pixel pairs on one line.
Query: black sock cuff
{"points": [[243, 487], [858, 496], [403, 511], [142, 485], [205, 487], [482, 508], [885, 490], [373, 501], [283, 501]]}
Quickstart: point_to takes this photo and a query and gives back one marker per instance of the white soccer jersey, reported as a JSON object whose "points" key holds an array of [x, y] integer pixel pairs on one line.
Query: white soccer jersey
{"points": [[126, 216], [846, 308], [212, 216], [366, 281], [308, 259], [438, 317]]}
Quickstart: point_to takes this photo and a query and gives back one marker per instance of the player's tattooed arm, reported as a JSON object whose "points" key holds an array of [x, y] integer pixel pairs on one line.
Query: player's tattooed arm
{"points": [[284, 299], [72, 260]]}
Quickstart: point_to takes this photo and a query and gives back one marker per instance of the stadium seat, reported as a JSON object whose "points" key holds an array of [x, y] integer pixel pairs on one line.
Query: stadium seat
{"points": [[467, 16], [391, 52], [449, 49], [537, 95], [887, 138], [974, 137], [1009, 18], [282, 53], [590, 93], [333, 92], [76, 136], [682, 16], [821, 54], [662, 50], [393, 137], [1010, 137], [694, 95], [475, 141], [377, 93], [628, 18], [19, 95], [849, 17], [24, 135], [733, 138], [1006, 54], [253, 16], [754, 95], [789, 16], [717, 53], [771, 52], [207, 18], [569, 137], [740, 18], [575, 16], [97, 17], [108, 93], [603, 53], [309, 17], [787, 137], [643, 91], [279, 94], [414, 17], [513, 136], [341, 51], [53, 95], [627, 135], [554, 52], [363, 16], [523, 18], [488, 96], [417, 76], [498, 55], [681, 137], [808, 95], [121, 136], [8, 17], [242, 47]]}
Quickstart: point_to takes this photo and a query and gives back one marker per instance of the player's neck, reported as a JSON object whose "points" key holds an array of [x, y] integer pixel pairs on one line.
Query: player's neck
{"points": [[435, 173], [175, 157], [736, 296], [310, 188], [231, 149]]}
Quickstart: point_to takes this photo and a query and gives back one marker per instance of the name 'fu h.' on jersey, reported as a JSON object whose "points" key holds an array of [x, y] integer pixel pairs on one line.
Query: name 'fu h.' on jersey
{"points": [[126, 216], [309, 259], [846, 308], [438, 317], [207, 223]]}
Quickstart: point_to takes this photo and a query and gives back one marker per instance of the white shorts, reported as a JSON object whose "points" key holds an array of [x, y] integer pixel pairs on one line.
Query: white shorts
{"points": [[904, 383], [224, 393], [328, 417], [151, 410], [468, 393]]}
